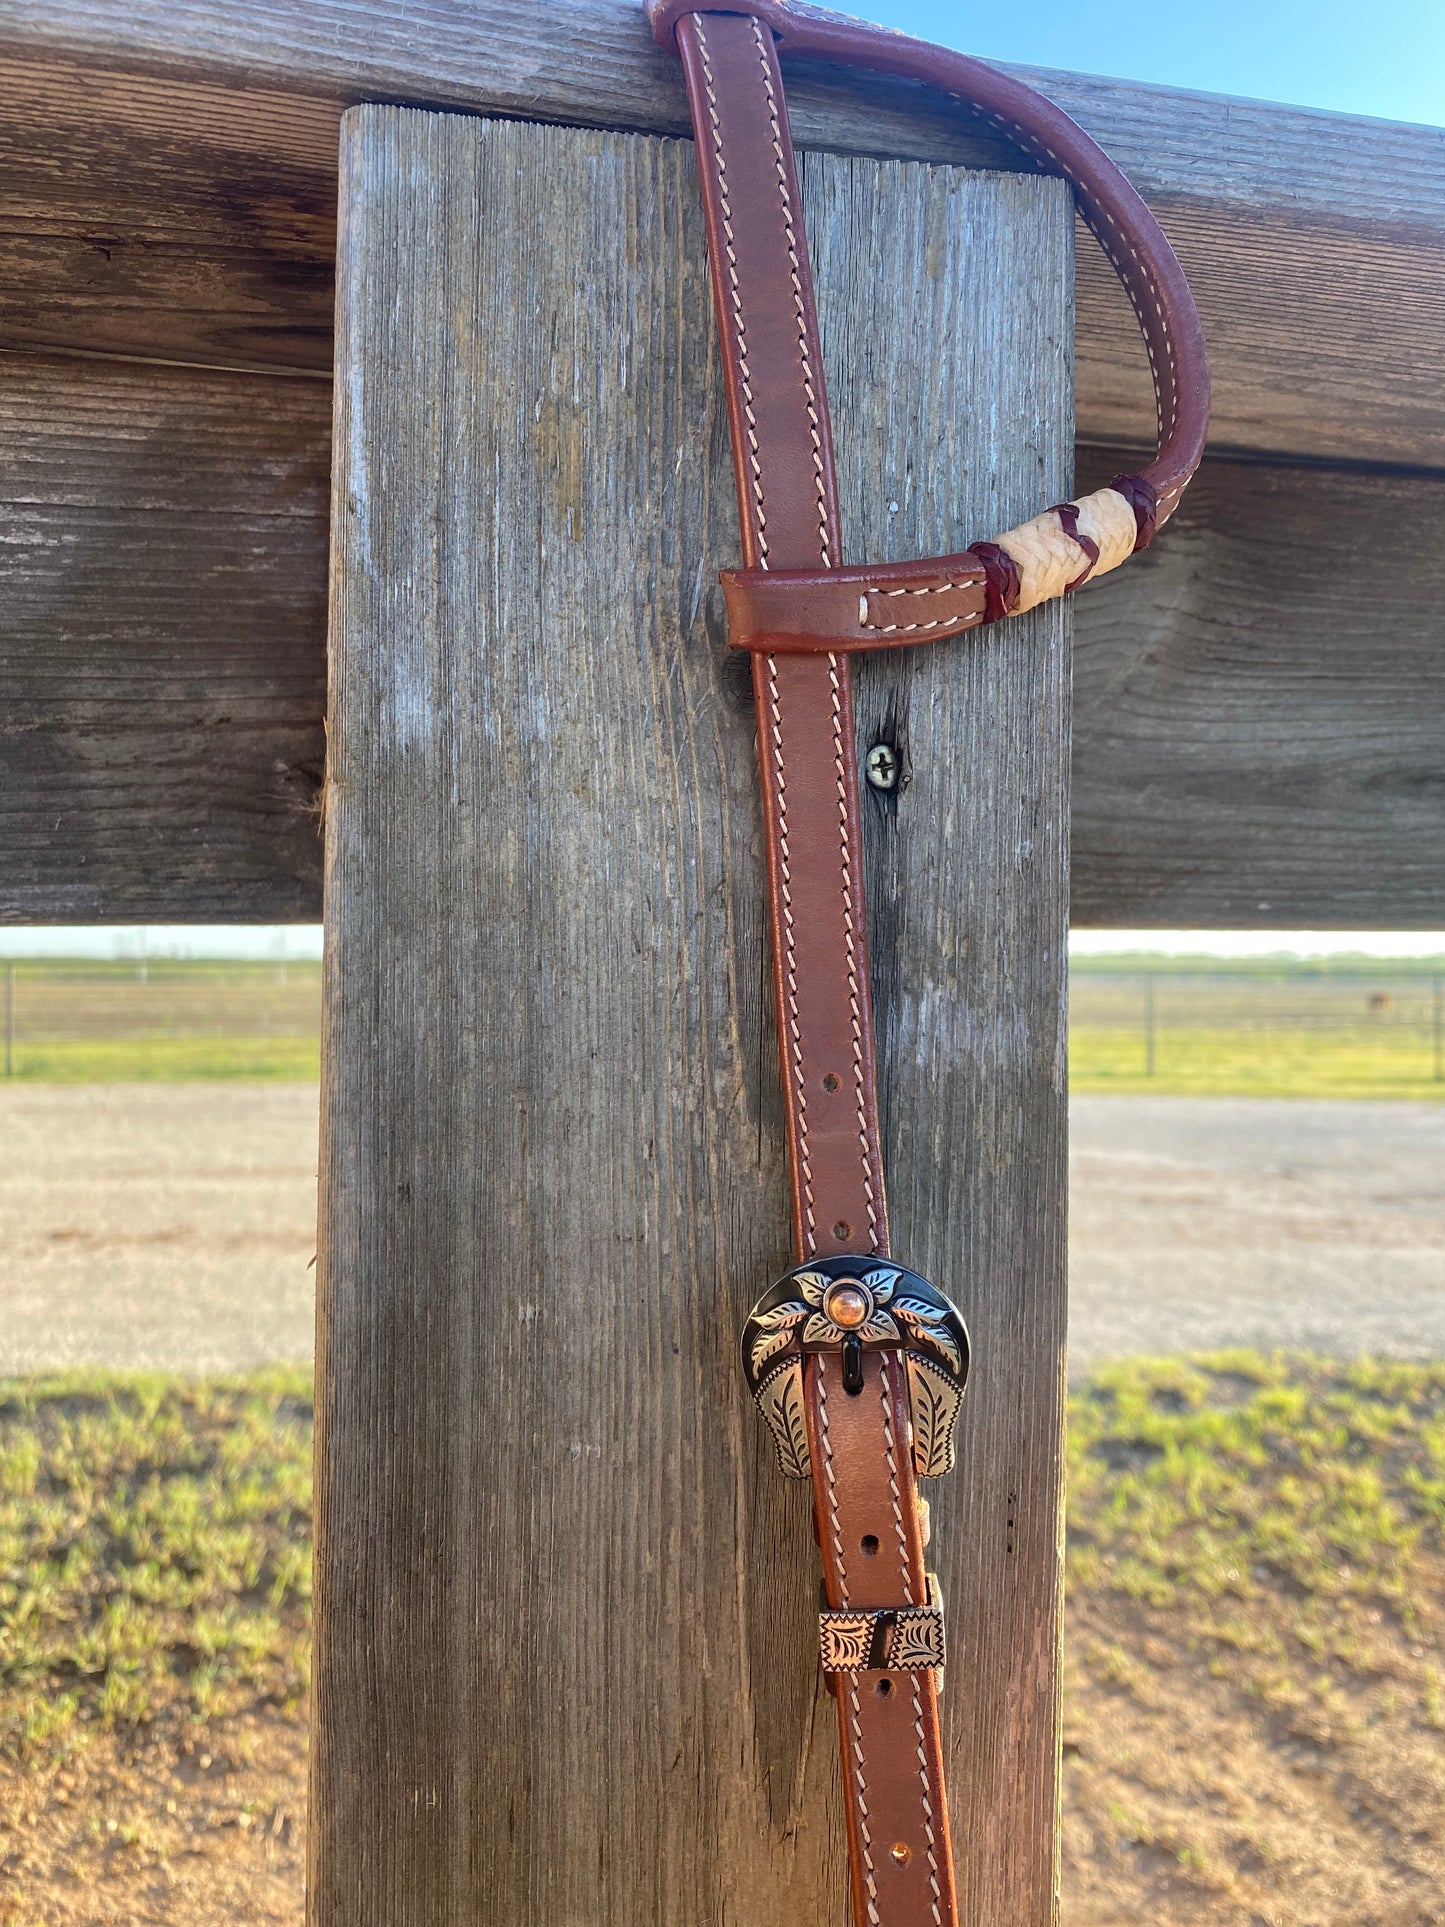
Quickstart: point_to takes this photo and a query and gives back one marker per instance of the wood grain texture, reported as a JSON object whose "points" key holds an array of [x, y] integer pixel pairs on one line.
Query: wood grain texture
{"points": [[593, 62], [566, 1665], [159, 517], [162, 619], [179, 204], [137, 222], [140, 221], [968, 877], [1323, 343], [1259, 737]]}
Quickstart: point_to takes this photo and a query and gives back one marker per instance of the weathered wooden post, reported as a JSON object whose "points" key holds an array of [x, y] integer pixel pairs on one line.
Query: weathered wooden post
{"points": [[566, 1663]]}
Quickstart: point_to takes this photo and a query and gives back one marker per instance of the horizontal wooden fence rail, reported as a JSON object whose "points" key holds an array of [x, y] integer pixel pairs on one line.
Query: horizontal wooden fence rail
{"points": [[1254, 744], [1259, 739], [593, 62], [169, 180], [162, 642], [1250, 745]]}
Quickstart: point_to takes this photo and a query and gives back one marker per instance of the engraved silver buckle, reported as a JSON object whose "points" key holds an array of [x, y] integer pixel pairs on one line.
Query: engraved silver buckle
{"points": [[851, 1305]]}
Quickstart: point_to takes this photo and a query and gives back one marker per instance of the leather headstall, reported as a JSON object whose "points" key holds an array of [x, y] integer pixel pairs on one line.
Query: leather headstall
{"points": [[858, 1364]]}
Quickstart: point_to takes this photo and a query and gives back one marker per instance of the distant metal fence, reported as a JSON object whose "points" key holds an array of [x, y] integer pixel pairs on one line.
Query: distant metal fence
{"points": [[1151, 1023], [1148, 1024]]}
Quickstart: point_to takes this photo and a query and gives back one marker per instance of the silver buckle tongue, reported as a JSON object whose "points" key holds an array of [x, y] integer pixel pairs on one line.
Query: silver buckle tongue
{"points": [[851, 1305]]}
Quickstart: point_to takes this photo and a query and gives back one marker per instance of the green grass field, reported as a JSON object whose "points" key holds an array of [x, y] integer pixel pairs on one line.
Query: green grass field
{"points": [[1203, 1061], [154, 1550], [163, 1022], [1246, 1028], [1137, 1024], [155, 1532], [169, 1060], [1205, 1482]]}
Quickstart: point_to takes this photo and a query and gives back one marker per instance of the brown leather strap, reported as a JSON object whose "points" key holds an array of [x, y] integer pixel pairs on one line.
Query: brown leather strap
{"points": [[864, 1488], [1108, 202], [802, 614], [789, 515]]}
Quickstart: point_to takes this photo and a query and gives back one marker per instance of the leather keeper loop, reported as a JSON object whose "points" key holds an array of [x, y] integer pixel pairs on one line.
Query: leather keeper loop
{"points": [[1001, 578], [843, 611]]}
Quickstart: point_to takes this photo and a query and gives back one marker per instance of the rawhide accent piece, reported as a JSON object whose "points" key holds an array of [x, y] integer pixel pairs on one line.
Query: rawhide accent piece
{"points": [[858, 1365], [844, 611]]}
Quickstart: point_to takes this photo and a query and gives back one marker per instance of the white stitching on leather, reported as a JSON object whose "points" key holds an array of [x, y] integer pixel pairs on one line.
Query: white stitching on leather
{"points": [[939, 622], [736, 292], [1166, 404], [936, 588], [856, 1720], [799, 308], [930, 1844], [865, 620], [790, 971], [851, 951], [863, 1828], [1168, 410], [929, 1841], [860, 1778]]}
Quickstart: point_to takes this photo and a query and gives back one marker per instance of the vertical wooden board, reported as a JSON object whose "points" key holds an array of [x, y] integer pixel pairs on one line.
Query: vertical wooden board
{"points": [[566, 1651]]}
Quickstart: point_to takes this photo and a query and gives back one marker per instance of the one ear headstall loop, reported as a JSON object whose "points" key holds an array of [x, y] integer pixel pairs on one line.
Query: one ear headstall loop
{"points": [[1049, 559], [858, 1364]]}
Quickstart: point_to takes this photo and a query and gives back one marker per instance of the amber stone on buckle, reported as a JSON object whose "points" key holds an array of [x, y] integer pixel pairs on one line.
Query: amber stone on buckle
{"points": [[848, 1305]]}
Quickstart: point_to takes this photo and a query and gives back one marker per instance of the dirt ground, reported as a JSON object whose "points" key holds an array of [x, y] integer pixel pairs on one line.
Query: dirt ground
{"points": [[1190, 1800], [1200, 1223], [167, 1833], [1201, 1793], [171, 1226], [157, 1226]]}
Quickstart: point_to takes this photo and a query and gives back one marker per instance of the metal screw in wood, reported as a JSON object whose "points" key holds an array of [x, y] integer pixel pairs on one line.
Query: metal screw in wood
{"points": [[882, 766]]}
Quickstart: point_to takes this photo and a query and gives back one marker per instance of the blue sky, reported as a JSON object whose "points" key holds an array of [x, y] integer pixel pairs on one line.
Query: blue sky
{"points": [[1386, 58]]}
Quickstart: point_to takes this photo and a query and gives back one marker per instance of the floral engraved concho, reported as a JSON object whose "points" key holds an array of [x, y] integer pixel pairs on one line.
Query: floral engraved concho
{"points": [[851, 1305]]}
